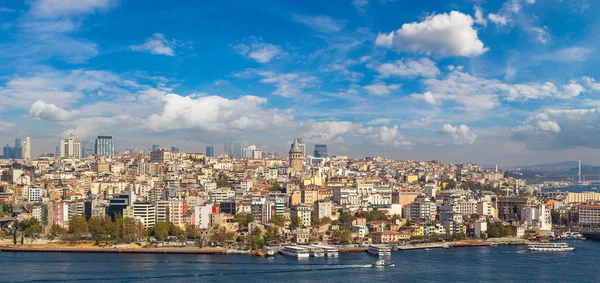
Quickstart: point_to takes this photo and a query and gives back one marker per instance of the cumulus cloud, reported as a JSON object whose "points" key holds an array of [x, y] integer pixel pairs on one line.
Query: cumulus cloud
{"points": [[157, 44], [557, 129], [591, 83], [541, 34], [443, 34], [461, 134], [479, 19], [61, 88], [408, 68], [389, 136], [322, 24], [567, 54], [419, 123], [62, 8], [498, 19], [426, 97], [257, 50], [288, 85], [335, 131], [360, 5], [479, 94], [217, 114], [381, 89], [6, 127], [50, 112], [379, 121]]}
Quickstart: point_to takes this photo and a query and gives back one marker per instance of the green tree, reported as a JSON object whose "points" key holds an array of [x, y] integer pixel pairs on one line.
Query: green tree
{"points": [[278, 220], [161, 230], [222, 180], [460, 236], [325, 220], [243, 219], [191, 232], [221, 236], [99, 227], [33, 232], [78, 227], [56, 231], [342, 236], [272, 234], [498, 230], [374, 215], [346, 218], [275, 187], [295, 223]]}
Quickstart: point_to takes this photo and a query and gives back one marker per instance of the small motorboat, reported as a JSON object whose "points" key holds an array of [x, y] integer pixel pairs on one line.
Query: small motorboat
{"points": [[268, 252], [427, 249], [260, 254], [383, 263]]}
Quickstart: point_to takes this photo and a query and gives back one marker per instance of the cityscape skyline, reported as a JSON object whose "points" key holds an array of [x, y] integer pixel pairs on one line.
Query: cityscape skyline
{"points": [[512, 83]]}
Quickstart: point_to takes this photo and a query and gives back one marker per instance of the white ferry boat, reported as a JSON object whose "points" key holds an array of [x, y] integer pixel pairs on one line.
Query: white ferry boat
{"points": [[314, 251], [328, 250], [550, 247], [295, 251], [379, 250]]}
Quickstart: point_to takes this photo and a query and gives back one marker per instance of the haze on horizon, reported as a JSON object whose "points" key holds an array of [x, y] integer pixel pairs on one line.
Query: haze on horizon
{"points": [[499, 82]]}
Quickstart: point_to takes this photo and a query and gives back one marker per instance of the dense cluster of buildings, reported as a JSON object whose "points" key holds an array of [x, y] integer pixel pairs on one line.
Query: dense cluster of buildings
{"points": [[416, 198]]}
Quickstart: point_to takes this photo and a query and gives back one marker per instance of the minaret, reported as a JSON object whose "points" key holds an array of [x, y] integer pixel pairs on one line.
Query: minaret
{"points": [[295, 156], [579, 171]]}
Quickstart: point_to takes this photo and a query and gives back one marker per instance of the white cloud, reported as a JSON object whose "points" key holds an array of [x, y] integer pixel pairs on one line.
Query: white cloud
{"points": [[461, 134], [7, 127], [541, 34], [360, 5], [288, 85], [389, 136], [50, 112], [379, 121], [157, 44], [257, 50], [426, 97], [323, 24], [381, 89], [409, 68], [567, 54], [498, 19], [420, 123], [479, 94], [479, 19], [444, 34], [328, 131], [557, 129], [591, 83], [64, 8], [530, 1], [217, 114]]}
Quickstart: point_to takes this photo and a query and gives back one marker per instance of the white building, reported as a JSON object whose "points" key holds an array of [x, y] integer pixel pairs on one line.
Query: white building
{"points": [[480, 227], [70, 147], [34, 194], [202, 216]]}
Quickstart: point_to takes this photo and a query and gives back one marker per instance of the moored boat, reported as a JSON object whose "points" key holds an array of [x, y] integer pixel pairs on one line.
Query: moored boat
{"points": [[550, 247], [294, 251], [268, 252], [379, 250]]}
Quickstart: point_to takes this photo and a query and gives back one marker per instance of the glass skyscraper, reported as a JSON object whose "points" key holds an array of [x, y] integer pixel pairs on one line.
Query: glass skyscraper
{"points": [[228, 149], [105, 146], [321, 151], [237, 149], [210, 151]]}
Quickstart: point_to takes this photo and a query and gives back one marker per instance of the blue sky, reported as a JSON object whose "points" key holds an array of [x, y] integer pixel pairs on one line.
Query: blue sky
{"points": [[508, 82]]}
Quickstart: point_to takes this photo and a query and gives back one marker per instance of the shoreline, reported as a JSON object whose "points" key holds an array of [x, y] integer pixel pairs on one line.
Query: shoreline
{"points": [[221, 251]]}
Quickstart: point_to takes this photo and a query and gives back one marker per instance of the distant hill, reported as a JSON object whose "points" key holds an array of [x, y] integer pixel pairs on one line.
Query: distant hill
{"points": [[550, 167]]}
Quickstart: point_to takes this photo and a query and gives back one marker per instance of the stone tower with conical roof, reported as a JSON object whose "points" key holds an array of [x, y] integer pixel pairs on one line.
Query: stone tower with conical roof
{"points": [[295, 156]]}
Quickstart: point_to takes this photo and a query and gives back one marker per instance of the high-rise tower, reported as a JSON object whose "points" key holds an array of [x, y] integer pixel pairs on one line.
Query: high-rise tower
{"points": [[295, 156], [27, 149]]}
